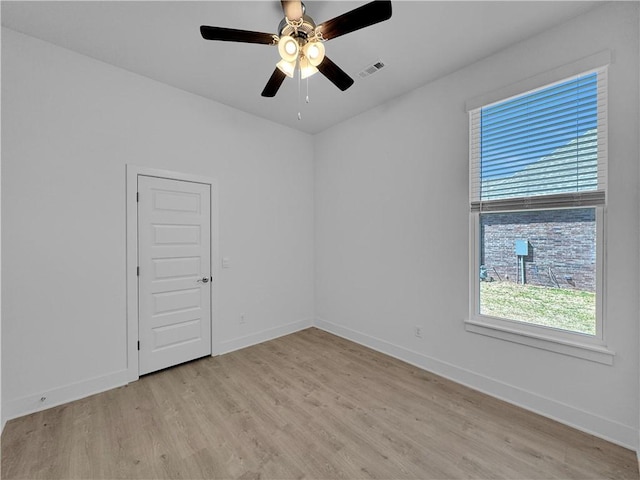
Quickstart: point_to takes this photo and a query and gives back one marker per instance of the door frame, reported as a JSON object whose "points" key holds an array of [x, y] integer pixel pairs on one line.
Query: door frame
{"points": [[132, 173]]}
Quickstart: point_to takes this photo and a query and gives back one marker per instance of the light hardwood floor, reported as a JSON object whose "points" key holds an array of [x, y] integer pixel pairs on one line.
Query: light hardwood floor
{"points": [[308, 405]]}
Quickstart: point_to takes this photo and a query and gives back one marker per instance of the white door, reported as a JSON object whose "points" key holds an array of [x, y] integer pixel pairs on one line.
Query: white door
{"points": [[174, 282]]}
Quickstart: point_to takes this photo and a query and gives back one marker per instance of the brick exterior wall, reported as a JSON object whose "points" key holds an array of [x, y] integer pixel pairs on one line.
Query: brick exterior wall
{"points": [[560, 240]]}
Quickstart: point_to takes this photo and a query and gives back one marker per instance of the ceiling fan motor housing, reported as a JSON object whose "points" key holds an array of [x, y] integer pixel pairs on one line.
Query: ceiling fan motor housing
{"points": [[300, 30]]}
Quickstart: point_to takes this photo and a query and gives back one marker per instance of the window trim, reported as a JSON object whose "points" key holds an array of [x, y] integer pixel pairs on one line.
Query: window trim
{"points": [[586, 64], [594, 353], [589, 347], [593, 348]]}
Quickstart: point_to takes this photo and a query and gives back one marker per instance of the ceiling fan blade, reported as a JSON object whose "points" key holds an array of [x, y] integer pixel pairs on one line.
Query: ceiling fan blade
{"points": [[335, 74], [364, 16], [233, 35], [273, 85], [292, 9]]}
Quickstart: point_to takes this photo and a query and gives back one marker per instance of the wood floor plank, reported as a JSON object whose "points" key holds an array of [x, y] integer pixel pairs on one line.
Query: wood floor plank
{"points": [[308, 405]]}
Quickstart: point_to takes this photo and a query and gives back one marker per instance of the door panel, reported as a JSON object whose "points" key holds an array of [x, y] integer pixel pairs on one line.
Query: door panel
{"points": [[174, 268], [174, 234], [176, 301], [177, 334]]}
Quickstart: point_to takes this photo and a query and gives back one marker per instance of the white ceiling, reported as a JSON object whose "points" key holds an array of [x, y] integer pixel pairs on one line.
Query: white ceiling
{"points": [[161, 40]]}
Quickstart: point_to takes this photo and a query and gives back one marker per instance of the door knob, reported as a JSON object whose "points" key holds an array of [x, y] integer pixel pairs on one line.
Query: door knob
{"points": [[203, 279]]}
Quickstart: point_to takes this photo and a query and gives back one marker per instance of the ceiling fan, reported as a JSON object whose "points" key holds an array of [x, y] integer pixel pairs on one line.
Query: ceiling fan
{"points": [[300, 41]]}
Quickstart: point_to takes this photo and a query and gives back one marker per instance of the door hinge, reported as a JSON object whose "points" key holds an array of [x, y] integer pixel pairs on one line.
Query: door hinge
{"points": [[138, 344], [138, 271], [137, 196]]}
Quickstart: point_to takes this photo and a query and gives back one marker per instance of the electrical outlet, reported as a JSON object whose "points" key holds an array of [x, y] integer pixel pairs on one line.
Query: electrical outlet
{"points": [[417, 331], [242, 319]]}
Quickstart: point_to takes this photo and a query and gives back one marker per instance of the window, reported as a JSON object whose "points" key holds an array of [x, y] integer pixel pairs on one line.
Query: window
{"points": [[538, 165]]}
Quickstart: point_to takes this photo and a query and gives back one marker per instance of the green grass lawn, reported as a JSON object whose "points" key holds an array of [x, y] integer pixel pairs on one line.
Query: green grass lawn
{"points": [[573, 310]]}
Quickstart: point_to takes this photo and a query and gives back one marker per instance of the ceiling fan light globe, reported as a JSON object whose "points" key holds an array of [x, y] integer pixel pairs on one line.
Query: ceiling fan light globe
{"points": [[288, 68], [288, 48], [314, 51], [306, 68], [307, 72]]}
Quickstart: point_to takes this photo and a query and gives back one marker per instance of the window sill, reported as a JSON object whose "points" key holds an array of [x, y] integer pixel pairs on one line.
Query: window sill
{"points": [[594, 353]]}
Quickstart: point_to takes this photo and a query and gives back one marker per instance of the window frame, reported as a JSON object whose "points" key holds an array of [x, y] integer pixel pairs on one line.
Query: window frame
{"points": [[589, 347]]}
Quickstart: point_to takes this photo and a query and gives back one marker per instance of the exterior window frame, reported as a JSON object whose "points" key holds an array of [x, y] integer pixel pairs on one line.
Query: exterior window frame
{"points": [[577, 344]]}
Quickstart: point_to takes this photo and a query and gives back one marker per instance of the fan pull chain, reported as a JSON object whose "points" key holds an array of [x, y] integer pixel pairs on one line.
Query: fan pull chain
{"points": [[299, 94], [307, 98]]}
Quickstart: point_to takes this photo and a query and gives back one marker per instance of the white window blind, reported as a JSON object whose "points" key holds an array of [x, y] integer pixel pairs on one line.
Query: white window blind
{"points": [[543, 149]]}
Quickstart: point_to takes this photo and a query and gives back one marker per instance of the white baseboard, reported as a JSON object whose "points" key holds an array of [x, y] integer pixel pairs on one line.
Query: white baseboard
{"points": [[604, 428], [609, 430], [263, 336], [33, 403]]}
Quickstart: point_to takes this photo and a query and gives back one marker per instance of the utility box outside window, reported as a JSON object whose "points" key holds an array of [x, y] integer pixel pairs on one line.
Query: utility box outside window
{"points": [[522, 247]]}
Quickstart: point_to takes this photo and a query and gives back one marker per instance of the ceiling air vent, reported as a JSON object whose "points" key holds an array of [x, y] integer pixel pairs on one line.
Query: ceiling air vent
{"points": [[371, 69]]}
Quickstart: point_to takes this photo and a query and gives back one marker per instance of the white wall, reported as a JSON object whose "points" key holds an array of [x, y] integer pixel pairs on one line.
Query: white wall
{"points": [[391, 224], [70, 125], [392, 233]]}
